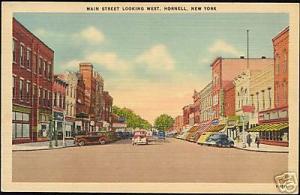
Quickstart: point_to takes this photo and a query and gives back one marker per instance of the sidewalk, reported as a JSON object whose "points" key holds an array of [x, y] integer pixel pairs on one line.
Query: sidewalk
{"points": [[262, 148], [41, 145]]}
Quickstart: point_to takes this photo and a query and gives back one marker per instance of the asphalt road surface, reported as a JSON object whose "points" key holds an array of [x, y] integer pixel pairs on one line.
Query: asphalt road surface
{"points": [[170, 161]]}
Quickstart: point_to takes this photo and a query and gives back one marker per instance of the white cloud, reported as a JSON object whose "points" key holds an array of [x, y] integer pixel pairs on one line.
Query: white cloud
{"points": [[91, 34], [109, 60], [222, 47], [157, 57]]}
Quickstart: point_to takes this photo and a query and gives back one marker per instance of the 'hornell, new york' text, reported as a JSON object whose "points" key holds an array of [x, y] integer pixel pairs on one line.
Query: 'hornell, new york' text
{"points": [[150, 8]]}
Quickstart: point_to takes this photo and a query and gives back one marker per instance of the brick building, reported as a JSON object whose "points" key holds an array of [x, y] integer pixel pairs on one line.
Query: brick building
{"points": [[32, 86], [225, 70], [196, 107], [82, 118], [59, 105], [178, 123], [187, 113], [107, 111], [206, 103], [229, 99], [277, 118]]}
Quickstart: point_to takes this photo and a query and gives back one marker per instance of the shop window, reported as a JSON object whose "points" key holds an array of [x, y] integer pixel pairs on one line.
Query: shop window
{"points": [[20, 125], [274, 115], [283, 114]]}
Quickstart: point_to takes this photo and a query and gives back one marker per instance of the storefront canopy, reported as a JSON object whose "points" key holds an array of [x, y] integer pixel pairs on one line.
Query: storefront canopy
{"points": [[269, 127], [216, 128], [194, 129]]}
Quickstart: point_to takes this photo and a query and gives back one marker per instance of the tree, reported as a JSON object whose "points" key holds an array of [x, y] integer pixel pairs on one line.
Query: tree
{"points": [[133, 120], [163, 122]]}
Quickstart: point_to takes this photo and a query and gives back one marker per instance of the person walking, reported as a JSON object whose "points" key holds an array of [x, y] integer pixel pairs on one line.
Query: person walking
{"points": [[257, 141], [249, 140]]}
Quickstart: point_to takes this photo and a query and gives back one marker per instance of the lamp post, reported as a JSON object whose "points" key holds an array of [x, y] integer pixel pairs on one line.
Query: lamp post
{"points": [[51, 132]]}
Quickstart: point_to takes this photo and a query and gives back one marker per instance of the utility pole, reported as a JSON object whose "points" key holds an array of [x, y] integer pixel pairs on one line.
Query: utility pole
{"points": [[247, 48]]}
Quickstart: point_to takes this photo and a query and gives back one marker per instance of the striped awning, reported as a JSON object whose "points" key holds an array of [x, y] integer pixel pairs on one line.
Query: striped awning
{"points": [[269, 127], [216, 128], [194, 129]]}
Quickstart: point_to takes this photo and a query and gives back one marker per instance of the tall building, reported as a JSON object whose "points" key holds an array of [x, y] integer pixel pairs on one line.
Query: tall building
{"points": [[32, 86], [224, 70], [276, 119], [196, 107], [70, 110], [206, 103], [59, 106]]}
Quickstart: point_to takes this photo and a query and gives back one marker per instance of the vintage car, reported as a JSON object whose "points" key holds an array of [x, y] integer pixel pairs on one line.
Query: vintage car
{"points": [[219, 140], [92, 138], [140, 137]]}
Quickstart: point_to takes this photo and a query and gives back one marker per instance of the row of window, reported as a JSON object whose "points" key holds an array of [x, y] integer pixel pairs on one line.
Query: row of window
{"points": [[59, 100], [285, 62], [281, 89], [22, 90], [23, 56], [71, 91]]}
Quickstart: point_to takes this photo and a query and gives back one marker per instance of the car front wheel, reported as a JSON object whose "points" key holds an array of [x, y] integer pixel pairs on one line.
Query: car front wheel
{"points": [[81, 143], [102, 142]]}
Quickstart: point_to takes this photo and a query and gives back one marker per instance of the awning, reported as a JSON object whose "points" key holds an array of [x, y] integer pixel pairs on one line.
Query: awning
{"points": [[216, 128], [269, 127], [194, 129]]}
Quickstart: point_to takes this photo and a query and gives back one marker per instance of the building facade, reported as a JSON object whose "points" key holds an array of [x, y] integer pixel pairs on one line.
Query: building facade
{"points": [[32, 86], [107, 112], [178, 123], [229, 99], [206, 104], [187, 114], [59, 106], [196, 107], [70, 110], [277, 118], [224, 70]]}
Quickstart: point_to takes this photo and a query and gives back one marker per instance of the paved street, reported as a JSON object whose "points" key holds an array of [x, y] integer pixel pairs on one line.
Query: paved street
{"points": [[170, 161]]}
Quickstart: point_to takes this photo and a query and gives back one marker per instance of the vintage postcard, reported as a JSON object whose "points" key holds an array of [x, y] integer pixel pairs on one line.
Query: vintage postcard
{"points": [[150, 97]]}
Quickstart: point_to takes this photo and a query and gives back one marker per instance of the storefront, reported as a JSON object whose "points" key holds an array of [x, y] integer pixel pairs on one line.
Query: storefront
{"points": [[21, 128], [43, 128], [82, 123], [69, 127], [272, 134], [192, 132], [232, 128], [59, 124]]}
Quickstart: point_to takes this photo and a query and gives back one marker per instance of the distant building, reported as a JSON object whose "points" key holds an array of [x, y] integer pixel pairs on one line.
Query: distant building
{"points": [[206, 114], [178, 123], [107, 113], [196, 107], [32, 79], [187, 115]]}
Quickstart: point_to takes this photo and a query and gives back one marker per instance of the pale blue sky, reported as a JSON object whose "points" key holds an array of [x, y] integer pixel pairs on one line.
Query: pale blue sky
{"points": [[141, 50]]}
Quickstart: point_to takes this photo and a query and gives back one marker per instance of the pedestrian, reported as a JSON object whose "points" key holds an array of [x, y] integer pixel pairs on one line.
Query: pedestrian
{"points": [[249, 140], [257, 141]]}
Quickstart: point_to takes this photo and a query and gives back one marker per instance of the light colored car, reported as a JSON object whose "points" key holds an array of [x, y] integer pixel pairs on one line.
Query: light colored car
{"points": [[139, 138]]}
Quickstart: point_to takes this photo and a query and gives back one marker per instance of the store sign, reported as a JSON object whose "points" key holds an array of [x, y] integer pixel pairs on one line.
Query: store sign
{"points": [[215, 122], [59, 116]]}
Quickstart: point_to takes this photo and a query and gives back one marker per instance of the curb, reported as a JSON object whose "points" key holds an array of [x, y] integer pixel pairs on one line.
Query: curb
{"points": [[260, 150], [42, 149]]}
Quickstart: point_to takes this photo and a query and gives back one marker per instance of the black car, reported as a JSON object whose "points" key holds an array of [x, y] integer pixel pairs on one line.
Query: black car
{"points": [[220, 140]]}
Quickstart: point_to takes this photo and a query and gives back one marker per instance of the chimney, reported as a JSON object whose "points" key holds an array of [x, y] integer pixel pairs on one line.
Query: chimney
{"points": [[263, 57], [242, 57]]}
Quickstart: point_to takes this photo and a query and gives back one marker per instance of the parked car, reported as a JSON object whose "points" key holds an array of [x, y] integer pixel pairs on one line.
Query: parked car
{"points": [[92, 138], [139, 137], [220, 140], [203, 137], [161, 135]]}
